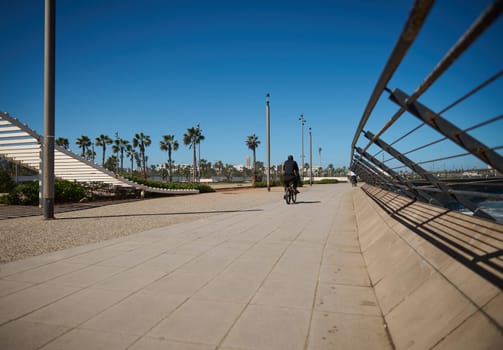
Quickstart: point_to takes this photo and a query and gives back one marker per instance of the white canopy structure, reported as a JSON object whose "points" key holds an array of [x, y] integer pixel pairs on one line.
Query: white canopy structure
{"points": [[20, 144]]}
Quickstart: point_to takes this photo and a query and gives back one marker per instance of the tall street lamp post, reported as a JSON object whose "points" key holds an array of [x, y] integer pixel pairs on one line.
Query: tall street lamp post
{"points": [[199, 153], [268, 139], [310, 158], [302, 121]]}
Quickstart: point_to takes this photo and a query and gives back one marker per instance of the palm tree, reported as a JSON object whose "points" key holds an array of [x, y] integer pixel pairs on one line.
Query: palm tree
{"points": [[83, 142], [191, 139], [103, 141], [330, 169], [63, 142], [130, 153], [204, 165], [169, 144], [119, 147], [141, 141], [252, 142], [219, 166], [319, 152], [90, 154]]}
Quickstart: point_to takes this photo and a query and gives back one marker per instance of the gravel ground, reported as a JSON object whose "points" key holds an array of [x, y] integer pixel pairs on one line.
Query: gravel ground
{"points": [[29, 236]]}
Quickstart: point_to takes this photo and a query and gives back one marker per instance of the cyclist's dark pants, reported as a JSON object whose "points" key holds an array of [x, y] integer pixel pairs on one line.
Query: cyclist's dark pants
{"points": [[290, 178]]}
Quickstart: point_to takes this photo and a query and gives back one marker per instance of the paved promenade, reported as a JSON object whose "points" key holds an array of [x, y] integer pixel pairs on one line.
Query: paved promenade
{"points": [[272, 276]]}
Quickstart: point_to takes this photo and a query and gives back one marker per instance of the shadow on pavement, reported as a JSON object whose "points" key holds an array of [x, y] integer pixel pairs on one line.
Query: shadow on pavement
{"points": [[160, 214]]}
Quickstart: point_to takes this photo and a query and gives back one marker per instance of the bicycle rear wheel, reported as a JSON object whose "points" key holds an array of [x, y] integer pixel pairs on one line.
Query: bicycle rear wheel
{"points": [[287, 195]]}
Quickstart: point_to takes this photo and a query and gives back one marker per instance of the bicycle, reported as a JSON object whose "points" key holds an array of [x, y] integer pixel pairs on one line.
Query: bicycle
{"points": [[290, 194]]}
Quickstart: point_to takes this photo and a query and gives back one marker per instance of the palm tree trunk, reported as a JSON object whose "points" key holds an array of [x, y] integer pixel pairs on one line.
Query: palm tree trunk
{"points": [[194, 162], [122, 158], [169, 166], [143, 163]]}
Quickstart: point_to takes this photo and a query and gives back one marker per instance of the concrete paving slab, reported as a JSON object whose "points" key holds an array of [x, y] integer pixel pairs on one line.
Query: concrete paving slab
{"points": [[493, 309], [94, 256], [470, 284], [84, 339], [148, 343], [131, 280], [346, 299], [263, 327], [167, 262], [229, 290], [400, 279], [334, 256], [331, 331], [441, 305], [30, 299], [76, 308], [136, 314], [8, 287], [295, 270], [250, 268], [344, 274], [22, 335], [44, 273], [266, 250], [287, 292], [87, 276], [475, 333], [195, 321], [179, 283]]}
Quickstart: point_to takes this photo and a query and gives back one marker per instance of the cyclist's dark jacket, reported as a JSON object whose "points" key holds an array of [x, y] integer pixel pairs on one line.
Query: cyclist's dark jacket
{"points": [[290, 170]]}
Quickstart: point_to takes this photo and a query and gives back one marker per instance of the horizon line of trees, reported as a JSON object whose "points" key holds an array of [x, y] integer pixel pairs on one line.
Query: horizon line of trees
{"points": [[135, 151]]}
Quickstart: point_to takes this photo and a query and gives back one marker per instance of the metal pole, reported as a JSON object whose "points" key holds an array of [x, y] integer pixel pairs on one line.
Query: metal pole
{"points": [[302, 121], [310, 158], [199, 154], [268, 139], [49, 80]]}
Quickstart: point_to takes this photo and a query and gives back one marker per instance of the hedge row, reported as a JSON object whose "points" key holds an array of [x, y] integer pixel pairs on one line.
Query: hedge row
{"points": [[27, 193], [203, 188]]}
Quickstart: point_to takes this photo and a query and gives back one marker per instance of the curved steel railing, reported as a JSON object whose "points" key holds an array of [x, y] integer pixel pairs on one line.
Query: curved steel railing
{"points": [[422, 159]]}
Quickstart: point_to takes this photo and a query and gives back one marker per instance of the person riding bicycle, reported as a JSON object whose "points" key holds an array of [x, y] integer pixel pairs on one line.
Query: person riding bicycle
{"points": [[291, 173]]}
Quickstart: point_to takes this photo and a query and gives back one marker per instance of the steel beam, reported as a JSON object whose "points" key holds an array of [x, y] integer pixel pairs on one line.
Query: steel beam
{"points": [[409, 33], [449, 130], [427, 176], [407, 188]]}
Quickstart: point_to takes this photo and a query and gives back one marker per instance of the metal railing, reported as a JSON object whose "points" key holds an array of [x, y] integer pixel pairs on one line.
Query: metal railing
{"points": [[454, 162]]}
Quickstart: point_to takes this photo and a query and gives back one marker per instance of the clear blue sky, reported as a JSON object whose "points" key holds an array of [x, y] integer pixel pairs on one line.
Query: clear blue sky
{"points": [[160, 67]]}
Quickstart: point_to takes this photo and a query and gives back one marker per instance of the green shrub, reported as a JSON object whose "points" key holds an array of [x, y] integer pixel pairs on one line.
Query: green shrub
{"points": [[66, 191], [261, 184], [24, 193], [203, 188], [327, 181], [6, 182], [27, 193]]}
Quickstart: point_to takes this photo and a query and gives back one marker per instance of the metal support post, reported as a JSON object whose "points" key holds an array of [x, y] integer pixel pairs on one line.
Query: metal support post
{"points": [[49, 88], [310, 157], [268, 139]]}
